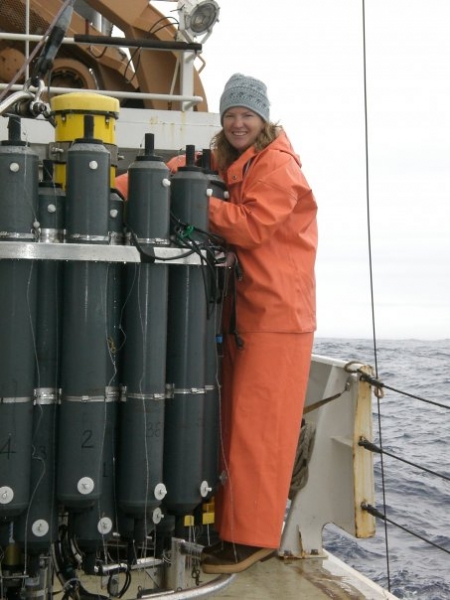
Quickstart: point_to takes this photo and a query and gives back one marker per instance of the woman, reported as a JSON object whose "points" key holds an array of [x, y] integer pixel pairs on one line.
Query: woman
{"points": [[269, 320], [270, 224]]}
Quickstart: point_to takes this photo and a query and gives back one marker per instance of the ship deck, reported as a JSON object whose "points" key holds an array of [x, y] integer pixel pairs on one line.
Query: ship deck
{"points": [[311, 579], [317, 578]]}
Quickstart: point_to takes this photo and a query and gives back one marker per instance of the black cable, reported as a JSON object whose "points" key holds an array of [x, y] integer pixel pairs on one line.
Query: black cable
{"points": [[63, 559], [66, 564], [187, 242], [154, 31], [380, 385], [376, 513], [131, 62], [125, 586], [374, 448], [137, 50], [211, 236], [163, 20], [392, 389], [210, 269], [150, 255], [98, 56], [183, 239]]}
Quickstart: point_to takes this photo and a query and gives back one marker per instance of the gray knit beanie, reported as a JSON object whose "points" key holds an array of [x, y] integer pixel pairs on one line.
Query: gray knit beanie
{"points": [[248, 92]]}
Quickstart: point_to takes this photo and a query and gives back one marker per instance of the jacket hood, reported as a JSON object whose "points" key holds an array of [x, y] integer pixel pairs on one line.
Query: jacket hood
{"points": [[283, 144]]}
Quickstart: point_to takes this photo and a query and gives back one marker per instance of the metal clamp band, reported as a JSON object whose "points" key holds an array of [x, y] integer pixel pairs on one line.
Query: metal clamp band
{"points": [[185, 391], [144, 397], [46, 396], [12, 235], [87, 399], [16, 400], [79, 237]]}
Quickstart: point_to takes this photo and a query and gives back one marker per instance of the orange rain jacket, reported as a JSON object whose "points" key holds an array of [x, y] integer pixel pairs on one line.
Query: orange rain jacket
{"points": [[271, 223]]}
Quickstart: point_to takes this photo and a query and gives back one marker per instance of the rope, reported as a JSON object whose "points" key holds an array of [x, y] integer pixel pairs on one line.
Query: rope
{"points": [[320, 403], [305, 446]]}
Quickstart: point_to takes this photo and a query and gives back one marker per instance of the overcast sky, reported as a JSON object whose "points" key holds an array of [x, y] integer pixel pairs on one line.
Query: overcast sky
{"points": [[310, 55]]}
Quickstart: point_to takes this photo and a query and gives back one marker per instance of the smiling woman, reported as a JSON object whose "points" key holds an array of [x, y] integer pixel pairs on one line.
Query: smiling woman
{"points": [[269, 322]]}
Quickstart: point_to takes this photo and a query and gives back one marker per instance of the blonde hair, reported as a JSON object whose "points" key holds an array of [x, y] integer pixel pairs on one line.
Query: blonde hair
{"points": [[224, 152]]}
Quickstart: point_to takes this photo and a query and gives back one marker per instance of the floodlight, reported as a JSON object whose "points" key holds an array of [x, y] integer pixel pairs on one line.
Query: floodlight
{"points": [[197, 17]]}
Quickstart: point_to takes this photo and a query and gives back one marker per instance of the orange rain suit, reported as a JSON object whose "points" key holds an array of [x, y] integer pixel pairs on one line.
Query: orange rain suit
{"points": [[270, 223]]}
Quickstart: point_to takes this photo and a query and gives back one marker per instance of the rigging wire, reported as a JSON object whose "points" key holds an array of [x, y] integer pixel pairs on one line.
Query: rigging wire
{"points": [[372, 294], [376, 513], [374, 448], [371, 447], [381, 385]]}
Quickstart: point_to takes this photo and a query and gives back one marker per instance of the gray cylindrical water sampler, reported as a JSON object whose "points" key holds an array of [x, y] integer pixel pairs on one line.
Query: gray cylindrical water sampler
{"points": [[141, 486], [38, 528], [18, 294], [85, 352], [183, 443]]}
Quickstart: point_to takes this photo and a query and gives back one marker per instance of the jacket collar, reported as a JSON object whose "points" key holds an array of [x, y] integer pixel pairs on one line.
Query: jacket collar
{"points": [[237, 170]]}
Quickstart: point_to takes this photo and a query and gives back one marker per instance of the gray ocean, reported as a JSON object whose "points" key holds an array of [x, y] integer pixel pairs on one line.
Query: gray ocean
{"points": [[417, 500]]}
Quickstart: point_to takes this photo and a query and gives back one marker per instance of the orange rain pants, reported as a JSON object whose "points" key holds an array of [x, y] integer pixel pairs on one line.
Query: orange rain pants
{"points": [[263, 398]]}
